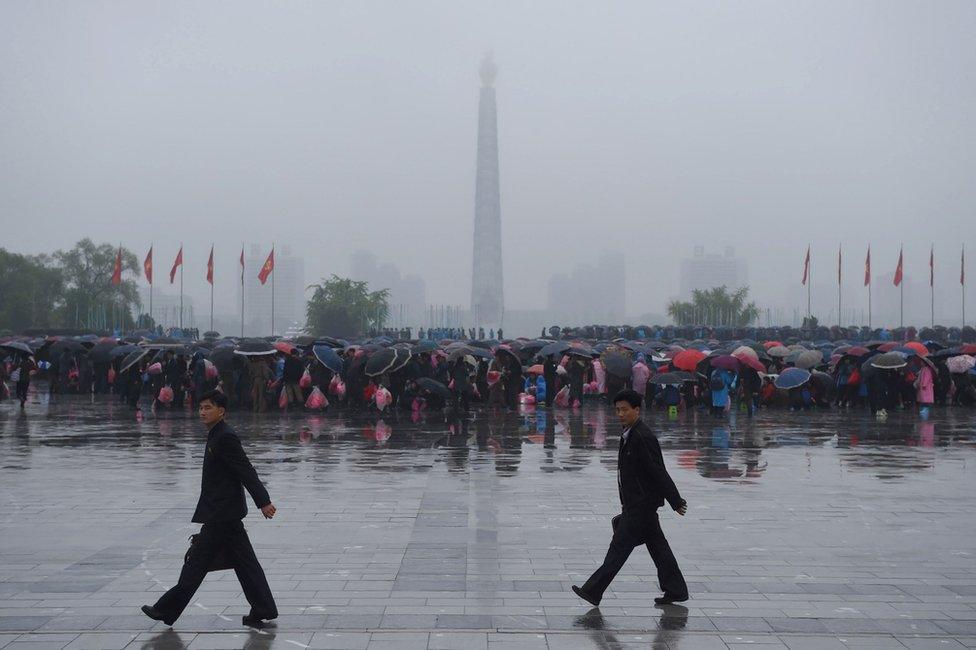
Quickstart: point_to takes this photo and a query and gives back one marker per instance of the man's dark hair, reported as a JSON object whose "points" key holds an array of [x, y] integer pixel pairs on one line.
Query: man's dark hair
{"points": [[632, 397], [219, 399]]}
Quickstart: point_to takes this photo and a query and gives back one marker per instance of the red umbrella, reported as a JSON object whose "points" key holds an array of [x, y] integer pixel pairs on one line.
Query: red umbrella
{"points": [[752, 362], [687, 360], [918, 347], [856, 351], [284, 346], [771, 344], [536, 369], [969, 348], [889, 346], [725, 362]]}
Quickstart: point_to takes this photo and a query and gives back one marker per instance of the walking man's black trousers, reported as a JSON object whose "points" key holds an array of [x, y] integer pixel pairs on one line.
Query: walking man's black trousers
{"points": [[632, 531], [232, 538]]}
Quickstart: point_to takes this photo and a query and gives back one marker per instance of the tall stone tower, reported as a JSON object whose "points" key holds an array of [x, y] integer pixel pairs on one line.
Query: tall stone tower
{"points": [[487, 295]]}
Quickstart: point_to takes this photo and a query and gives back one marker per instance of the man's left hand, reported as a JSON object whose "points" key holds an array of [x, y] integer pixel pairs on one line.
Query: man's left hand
{"points": [[269, 511]]}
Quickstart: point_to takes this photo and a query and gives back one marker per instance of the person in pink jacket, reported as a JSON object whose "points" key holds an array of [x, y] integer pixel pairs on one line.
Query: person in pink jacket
{"points": [[925, 389], [600, 375], [639, 376]]}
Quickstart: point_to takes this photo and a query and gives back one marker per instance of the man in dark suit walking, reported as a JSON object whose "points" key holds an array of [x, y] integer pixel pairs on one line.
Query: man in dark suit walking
{"points": [[226, 473], [644, 486]]}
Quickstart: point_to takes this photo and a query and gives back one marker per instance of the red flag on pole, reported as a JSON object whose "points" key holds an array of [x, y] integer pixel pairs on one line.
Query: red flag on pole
{"points": [[178, 262], [839, 249], [147, 265], [867, 268], [806, 267], [242, 266], [117, 270], [898, 270], [267, 268], [210, 266], [932, 266], [962, 267]]}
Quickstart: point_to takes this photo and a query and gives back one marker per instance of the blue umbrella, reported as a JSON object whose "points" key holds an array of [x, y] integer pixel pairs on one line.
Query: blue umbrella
{"points": [[792, 378], [328, 357]]}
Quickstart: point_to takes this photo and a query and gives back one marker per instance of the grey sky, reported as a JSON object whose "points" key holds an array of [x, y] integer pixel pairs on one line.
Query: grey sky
{"points": [[640, 127]]}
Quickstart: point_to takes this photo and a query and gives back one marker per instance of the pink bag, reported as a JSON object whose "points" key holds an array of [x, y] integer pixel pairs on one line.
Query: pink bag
{"points": [[155, 369], [165, 395], [525, 398], [317, 400], [111, 375], [383, 398], [209, 369], [283, 399], [562, 397], [306, 380], [341, 390], [493, 377]]}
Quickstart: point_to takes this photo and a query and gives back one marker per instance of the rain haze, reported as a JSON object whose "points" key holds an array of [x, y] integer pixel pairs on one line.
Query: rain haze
{"points": [[638, 131]]}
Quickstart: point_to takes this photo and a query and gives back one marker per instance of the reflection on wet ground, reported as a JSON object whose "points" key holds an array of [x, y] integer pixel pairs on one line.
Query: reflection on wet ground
{"points": [[415, 530]]}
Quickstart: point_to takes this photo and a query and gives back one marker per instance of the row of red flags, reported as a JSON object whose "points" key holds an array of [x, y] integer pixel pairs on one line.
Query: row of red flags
{"points": [[899, 270], [147, 265]]}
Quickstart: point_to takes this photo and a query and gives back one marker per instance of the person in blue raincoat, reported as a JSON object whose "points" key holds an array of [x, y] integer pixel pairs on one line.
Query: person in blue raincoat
{"points": [[720, 383]]}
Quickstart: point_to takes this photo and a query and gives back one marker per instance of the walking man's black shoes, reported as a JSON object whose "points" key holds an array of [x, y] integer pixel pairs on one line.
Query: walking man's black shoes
{"points": [[667, 599], [256, 620], [155, 614], [585, 596]]}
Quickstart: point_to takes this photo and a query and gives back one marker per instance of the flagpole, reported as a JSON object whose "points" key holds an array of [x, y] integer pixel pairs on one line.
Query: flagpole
{"points": [[242, 289], [901, 287], [272, 289], [152, 262], [840, 320], [962, 281], [932, 281], [181, 285], [211, 285]]}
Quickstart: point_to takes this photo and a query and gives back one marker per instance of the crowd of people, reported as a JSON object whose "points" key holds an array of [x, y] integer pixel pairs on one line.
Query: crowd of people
{"points": [[392, 372]]}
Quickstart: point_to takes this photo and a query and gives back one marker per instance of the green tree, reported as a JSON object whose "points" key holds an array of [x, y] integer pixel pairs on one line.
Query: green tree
{"points": [[91, 300], [714, 307], [344, 307], [32, 287]]}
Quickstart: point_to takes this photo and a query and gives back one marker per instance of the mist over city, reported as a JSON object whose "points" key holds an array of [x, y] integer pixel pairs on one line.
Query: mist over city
{"points": [[635, 135]]}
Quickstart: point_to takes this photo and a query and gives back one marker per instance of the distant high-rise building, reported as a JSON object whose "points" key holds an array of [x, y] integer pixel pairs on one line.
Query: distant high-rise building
{"points": [[408, 293], [590, 294], [708, 271], [289, 292], [487, 294]]}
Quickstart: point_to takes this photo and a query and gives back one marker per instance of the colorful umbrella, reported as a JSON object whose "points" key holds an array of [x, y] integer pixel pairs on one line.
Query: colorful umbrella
{"points": [[687, 359], [792, 378]]}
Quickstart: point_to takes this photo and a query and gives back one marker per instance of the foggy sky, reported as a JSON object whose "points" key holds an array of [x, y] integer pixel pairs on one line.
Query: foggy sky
{"points": [[640, 127]]}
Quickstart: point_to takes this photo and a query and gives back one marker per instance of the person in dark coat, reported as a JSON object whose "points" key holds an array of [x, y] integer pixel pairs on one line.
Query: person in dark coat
{"points": [[227, 472], [644, 485]]}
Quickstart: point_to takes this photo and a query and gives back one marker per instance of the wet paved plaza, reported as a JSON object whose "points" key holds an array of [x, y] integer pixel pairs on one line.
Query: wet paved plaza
{"points": [[805, 530]]}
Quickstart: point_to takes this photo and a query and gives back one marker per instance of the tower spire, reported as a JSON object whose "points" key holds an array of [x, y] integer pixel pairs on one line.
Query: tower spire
{"points": [[487, 296]]}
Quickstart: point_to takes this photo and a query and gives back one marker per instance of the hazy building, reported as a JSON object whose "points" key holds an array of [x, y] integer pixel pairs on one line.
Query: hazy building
{"points": [[288, 285], [408, 293], [708, 271], [590, 293], [487, 295]]}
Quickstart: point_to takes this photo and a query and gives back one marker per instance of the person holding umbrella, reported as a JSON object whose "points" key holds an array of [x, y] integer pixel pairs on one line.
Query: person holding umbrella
{"points": [[22, 375], [644, 485]]}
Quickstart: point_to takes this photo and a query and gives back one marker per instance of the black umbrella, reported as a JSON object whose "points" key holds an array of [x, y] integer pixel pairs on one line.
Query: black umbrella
{"points": [[550, 349], [618, 365], [70, 345], [675, 377], [380, 362], [532, 347], [403, 355], [889, 361], [122, 350], [255, 348], [328, 357], [17, 346], [133, 358], [222, 357], [102, 352], [434, 386], [424, 346], [581, 351], [211, 335]]}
